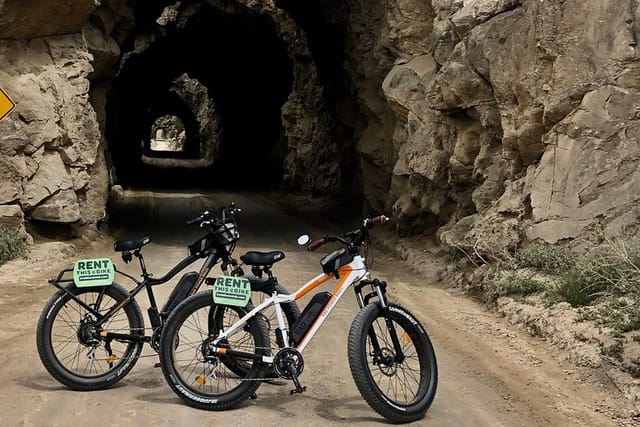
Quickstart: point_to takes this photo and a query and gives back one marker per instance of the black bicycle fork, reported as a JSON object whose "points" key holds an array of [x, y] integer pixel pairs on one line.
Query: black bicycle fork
{"points": [[379, 290]]}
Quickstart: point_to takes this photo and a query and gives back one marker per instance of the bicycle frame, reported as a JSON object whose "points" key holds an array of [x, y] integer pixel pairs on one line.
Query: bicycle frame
{"points": [[348, 274], [215, 349], [147, 284]]}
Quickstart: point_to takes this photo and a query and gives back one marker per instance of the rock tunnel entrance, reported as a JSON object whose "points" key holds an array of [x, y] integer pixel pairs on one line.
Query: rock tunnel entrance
{"points": [[226, 76]]}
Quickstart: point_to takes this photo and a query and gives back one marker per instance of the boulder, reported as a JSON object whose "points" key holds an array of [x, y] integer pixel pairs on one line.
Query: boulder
{"points": [[27, 19], [51, 176], [61, 207]]}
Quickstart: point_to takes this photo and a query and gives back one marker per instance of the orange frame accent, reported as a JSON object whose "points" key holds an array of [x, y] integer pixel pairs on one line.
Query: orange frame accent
{"points": [[311, 286], [344, 275], [343, 272]]}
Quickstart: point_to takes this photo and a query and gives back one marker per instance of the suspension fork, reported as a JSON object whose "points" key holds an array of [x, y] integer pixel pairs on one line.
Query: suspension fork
{"points": [[379, 290]]}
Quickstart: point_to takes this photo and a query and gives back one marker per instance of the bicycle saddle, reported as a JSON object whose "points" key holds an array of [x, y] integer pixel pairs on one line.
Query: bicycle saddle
{"points": [[262, 258], [130, 244]]}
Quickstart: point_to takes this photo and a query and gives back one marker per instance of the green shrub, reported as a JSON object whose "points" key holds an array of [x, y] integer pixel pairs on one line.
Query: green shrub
{"points": [[577, 289], [615, 350], [620, 314], [547, 258], [633, 368], [12, 245], [613, 268], [610, 269], [505, 283]]}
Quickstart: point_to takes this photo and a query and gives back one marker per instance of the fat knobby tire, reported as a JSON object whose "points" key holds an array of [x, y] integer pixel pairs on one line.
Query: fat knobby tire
{"points": [[359, 355], [47, 351]]}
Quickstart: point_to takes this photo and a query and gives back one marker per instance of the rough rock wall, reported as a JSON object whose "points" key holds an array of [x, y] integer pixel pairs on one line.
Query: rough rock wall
{"points": [[47, 161], [508, 118], [52, 163], [518, 119], [380, 34], [25, 19], [312, 160], [196, 96]]}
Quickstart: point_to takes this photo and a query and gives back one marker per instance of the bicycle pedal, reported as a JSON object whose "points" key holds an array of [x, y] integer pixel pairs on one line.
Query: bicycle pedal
{"points": [[298, 390]]}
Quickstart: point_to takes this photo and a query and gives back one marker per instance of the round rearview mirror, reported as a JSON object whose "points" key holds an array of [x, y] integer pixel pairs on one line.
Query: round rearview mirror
{"points": [[304, 239]]}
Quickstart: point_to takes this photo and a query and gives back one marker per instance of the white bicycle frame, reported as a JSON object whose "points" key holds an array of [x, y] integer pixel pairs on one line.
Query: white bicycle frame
{"points": [[348, 274]]}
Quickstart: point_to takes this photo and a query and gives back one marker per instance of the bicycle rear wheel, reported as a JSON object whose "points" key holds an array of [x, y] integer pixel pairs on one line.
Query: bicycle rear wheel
{"points": [[400, 387], [200, 377], [70, 346]]}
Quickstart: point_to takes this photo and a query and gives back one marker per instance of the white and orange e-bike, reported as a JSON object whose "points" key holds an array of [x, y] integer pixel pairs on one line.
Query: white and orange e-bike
{"points": [[216, 365]]}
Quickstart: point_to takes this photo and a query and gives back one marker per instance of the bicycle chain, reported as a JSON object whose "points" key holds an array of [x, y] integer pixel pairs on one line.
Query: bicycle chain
{"points": [[237, 379]]}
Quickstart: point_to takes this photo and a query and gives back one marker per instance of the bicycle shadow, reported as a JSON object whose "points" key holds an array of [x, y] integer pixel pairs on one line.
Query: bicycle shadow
{"points": [[145, 377], [43, 382], [349, 409], [271, 397]]}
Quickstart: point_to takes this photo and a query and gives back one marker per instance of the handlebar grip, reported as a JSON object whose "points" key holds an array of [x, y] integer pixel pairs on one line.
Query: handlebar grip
{"points": [[204, 215], [379, 219], [194, 220], [316, 244]]}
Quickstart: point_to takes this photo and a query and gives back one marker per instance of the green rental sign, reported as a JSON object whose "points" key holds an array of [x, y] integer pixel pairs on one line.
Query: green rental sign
{"points": [[93, 272], [229, 290]]}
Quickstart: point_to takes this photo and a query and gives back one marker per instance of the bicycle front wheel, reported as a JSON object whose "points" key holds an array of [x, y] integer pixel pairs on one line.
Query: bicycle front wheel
{"points": [[70, 345], [397, 381], [200, 376]]}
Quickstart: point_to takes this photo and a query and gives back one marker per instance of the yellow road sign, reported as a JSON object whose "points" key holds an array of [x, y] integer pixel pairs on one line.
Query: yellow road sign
{"points": [[6, 104]]}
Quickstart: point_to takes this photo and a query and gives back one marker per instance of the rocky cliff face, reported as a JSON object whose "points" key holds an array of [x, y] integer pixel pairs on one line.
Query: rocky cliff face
{"points": [[50, 142], [483, 122], [52, 166], [516, 121]]}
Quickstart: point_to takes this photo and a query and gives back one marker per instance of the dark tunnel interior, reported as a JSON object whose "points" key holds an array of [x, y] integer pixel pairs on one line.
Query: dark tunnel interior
{"points": [[247, 72]]}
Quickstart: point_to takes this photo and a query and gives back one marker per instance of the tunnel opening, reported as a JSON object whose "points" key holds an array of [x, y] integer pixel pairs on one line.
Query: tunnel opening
{"points": [[187, 137], [247, 74], [167, 134]]}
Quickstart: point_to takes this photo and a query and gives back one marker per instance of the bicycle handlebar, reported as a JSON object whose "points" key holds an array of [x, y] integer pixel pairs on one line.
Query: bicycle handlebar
{"points": [[367, 224], [206, 218], [203, 216]]}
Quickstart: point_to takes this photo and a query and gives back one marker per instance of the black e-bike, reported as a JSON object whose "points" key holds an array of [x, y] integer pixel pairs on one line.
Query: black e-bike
{"points": [[91, 331]]}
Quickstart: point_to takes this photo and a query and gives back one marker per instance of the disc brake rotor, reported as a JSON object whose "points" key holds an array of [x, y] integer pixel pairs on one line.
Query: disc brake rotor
{"points": [[386, 362]]}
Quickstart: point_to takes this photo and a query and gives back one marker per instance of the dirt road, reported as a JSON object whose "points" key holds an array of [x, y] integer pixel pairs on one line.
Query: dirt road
{"points": [[491, 373]]}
